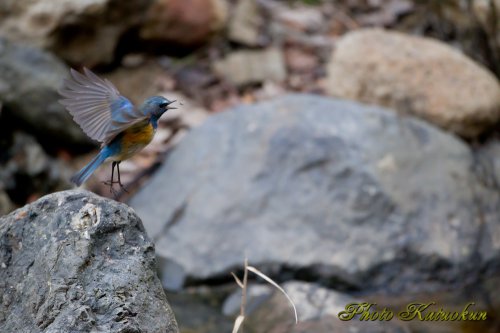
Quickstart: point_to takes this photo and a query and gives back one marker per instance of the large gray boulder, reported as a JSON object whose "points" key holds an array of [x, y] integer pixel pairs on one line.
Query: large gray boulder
{"points": [[75, 262], [29, 81], [321, 188]]}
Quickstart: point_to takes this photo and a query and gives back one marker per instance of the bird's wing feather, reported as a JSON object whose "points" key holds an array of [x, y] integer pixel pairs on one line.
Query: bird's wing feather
{"points": [[97, 106]]}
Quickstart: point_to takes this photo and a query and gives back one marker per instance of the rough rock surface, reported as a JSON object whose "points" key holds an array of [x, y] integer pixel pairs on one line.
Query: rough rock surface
{"points": [[84, 32], [184, 22], [331, 189], [29, 80], [490, 155], [75, 262], [418, 76]]}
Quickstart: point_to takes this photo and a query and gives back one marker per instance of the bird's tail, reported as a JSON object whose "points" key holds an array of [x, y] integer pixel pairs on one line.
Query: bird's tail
{"points": [[81, 176]]}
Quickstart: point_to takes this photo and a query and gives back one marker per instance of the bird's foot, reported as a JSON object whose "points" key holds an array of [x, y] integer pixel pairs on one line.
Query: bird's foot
{"points": [[112, 189], [124, 189], [110, 182]]}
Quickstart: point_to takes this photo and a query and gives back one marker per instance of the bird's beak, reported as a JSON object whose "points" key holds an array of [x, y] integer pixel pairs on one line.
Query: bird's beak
{"points": [[171, 107]]}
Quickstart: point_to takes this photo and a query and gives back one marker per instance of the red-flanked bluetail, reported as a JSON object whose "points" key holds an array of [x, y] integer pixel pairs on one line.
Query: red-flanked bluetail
{"points": [[108, 117]]}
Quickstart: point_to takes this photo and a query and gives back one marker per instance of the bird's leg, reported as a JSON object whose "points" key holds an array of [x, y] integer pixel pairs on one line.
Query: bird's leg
{"points": [[112, 181], [119, 180]]}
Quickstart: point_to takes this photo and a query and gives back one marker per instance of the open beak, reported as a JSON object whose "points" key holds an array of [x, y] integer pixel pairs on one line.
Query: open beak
{"points": [[171, 107]]}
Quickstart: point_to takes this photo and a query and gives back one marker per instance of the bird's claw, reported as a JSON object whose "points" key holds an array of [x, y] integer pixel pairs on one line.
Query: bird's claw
{"points": [[110, 182], [112, 190]]}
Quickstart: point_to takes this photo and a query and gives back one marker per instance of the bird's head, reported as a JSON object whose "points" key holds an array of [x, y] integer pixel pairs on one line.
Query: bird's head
{"points": [[156, 106]]}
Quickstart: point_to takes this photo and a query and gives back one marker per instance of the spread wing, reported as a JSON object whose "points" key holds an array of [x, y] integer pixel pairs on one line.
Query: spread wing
{"points": [[97, 106]]}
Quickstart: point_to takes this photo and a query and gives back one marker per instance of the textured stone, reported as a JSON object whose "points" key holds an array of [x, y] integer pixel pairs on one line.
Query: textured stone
{"points": [[331, 189], [75, 262], [490, 153], [418, 76]]}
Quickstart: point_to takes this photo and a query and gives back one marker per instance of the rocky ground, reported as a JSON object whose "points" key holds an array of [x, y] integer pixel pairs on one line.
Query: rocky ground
{"points": [[348, 148]]}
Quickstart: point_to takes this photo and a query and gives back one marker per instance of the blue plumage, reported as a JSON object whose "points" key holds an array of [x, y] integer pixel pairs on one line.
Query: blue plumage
{"points": [[81, 176], [110, 118]]}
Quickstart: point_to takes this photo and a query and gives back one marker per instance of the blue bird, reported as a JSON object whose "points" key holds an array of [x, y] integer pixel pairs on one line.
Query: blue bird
{"points": [[108, 117]]}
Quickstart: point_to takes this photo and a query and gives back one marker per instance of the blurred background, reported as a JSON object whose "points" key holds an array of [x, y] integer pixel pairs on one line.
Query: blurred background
{"points": [[388, 206]]}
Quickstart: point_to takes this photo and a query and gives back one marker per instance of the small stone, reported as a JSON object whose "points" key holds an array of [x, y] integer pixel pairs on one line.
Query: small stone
{"points": [[185, 22], [418, 76], [304, 18], [245, 67], [245, 22]]}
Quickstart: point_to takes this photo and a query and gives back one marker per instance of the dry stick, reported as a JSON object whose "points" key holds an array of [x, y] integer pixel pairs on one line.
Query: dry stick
{"points": [[243, 285], [244, 292]]}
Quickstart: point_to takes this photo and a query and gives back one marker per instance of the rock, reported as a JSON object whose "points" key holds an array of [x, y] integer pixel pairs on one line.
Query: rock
{"points": [[329, 189], [418, 76], [246, 66], [245, 23], [184, 22], [491, 151], [300, 25], [487, 170], [75, 262], [318, 309], [303, 18], [29, 80], [81, 32], [28, 172]]}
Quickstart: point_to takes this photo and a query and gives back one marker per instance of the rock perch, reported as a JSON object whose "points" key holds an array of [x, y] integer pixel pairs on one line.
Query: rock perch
{"points": [[75, 262]]}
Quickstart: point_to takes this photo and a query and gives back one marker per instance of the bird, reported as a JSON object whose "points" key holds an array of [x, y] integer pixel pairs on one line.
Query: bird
{"points": [[106, 116]]}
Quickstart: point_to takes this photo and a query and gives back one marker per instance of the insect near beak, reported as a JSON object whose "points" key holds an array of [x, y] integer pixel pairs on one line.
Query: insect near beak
{"points": [[171, 107]]}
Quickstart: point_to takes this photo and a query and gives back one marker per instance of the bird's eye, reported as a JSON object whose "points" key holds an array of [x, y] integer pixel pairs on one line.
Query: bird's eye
{"points": [[163, 105]]}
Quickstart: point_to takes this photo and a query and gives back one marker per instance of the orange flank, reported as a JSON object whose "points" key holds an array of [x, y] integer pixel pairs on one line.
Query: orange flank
{"points": [[134, 139]]}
